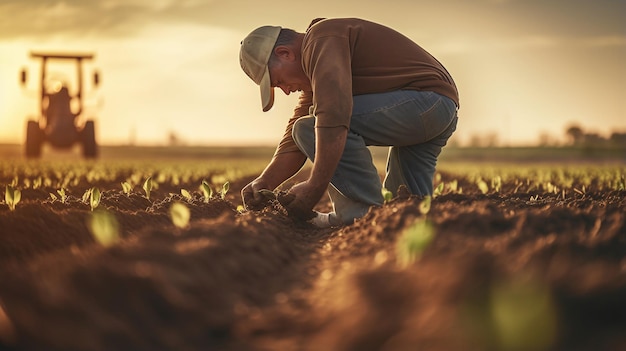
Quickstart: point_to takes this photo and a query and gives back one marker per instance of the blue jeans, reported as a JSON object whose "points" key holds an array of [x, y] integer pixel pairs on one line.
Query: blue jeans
{"points": [[415, 124]]}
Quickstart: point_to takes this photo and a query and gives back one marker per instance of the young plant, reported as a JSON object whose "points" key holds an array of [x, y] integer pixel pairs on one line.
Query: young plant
{"points": [[424, 205], [224, 190], [180, 214], [186, 194], [104, 227], [523, 314], [147, 187], [206, 191], [453, 185], [438, 190], [414, 241], [387, 195], [496, 183], [127, 188], [484, 188], [86, 195], [37, 182], [94, 198], [62, 194], [12, 197]]}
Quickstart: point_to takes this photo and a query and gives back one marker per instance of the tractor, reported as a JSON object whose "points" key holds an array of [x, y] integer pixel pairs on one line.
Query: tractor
{"points": [[58, 125]]}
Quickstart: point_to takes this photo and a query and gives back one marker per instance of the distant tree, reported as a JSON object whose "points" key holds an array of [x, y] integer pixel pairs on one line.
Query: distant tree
{"points": [[575, 134], [173, 139], [593, 139], [618, 139]]}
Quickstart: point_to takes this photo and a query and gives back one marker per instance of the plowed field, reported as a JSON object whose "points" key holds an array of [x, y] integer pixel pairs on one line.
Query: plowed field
{"points": [[522, 266]]}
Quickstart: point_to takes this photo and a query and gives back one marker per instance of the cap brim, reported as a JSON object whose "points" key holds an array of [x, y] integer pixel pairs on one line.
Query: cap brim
{"points": [[267, 92]]}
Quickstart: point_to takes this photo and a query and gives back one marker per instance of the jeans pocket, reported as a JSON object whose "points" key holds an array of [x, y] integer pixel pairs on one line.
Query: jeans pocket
{"points": [[437, 118]]}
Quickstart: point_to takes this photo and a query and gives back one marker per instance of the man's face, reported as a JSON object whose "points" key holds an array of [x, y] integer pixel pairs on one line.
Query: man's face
{"points": [[286, 73]]}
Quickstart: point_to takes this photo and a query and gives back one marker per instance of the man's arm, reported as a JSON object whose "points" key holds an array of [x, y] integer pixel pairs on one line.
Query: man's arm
{"points": [[282, 167], [329, 147]]}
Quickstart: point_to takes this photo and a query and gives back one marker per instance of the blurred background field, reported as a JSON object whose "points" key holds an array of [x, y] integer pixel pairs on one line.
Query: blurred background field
{"points": [[584, 154]]}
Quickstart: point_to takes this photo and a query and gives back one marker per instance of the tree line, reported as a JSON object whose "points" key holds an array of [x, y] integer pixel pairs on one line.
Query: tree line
{"points": [[577, 136]]}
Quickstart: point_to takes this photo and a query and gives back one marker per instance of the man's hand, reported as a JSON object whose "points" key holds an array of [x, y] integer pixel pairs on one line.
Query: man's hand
{"points": [[282, 167], [252, 198], [300, 200], [329, 144]]}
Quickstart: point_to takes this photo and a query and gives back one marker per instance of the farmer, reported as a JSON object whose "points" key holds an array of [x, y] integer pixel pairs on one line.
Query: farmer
{"points": [[360, 84]]}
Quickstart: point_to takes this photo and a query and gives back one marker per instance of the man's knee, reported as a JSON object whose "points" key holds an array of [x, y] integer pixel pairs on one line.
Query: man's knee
{"points": [[303, 132]]}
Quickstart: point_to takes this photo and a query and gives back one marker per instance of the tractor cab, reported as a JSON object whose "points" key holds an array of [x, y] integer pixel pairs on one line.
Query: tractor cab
{"points": [[59, 124]]}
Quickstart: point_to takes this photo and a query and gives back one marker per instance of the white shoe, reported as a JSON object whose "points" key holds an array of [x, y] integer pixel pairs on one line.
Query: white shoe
{"points": [[322, 220]]}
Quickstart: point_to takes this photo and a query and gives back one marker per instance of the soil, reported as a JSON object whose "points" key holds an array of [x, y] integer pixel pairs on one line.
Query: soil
{"points": [[503, 272]]}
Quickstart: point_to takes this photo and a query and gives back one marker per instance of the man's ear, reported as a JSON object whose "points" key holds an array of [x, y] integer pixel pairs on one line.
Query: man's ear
{"points": [[284, 52]]}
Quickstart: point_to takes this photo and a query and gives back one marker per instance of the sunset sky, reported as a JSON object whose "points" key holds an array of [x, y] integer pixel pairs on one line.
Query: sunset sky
{"points": [[523, 67]]}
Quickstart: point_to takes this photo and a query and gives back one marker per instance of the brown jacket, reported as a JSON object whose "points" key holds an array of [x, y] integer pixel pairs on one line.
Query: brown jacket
{"points": [[344, 57]]}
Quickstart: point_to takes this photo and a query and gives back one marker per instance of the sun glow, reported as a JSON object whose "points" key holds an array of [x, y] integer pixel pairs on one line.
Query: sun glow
{"points": [[180, 77]]}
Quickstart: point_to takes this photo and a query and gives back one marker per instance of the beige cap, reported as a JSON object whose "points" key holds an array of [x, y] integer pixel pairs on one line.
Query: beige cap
{"points": [[254, 54]]}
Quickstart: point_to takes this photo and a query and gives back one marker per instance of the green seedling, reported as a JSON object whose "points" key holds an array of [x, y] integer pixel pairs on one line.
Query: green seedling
{"points": [[37, 183], [414, 241], [12, 197], [53, 197], [206, 191], [482, 186], [62, 194], [387, 195], [126, 188], [175, 179], [620, 184], [186, 194], [523, 315], [180, 214], [438, 190], [453, 185], [424, 205], [87, 195], [496, 183], [104, 227], [224, 190], [94, 198], [147, 187]]}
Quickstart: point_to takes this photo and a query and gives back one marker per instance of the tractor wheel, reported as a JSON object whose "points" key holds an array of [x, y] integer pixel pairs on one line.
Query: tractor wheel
{"points": [[90, 148], [34, 139]]}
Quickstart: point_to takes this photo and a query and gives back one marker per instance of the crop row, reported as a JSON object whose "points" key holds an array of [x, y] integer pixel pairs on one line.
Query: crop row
{"points": [[58, 177]]}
